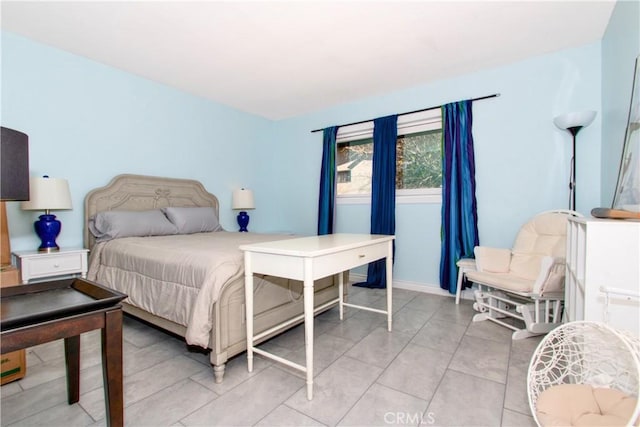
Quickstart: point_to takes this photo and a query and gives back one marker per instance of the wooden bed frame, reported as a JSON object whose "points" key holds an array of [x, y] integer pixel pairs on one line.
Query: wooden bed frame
{"points": [[274, 304]]}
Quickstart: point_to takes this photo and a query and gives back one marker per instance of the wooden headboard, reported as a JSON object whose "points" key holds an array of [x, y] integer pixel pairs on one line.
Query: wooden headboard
{"points": [[138, 193]]}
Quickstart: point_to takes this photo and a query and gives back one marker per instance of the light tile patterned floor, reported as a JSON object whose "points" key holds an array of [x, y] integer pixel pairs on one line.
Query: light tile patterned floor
{"points": [[436, 368]]}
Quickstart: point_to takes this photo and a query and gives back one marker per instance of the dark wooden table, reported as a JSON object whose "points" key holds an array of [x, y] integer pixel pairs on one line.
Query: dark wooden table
{"points": [[39, 313]]}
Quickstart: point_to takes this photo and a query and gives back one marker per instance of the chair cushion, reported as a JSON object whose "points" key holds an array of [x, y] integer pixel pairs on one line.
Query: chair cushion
{"points": [[584, 405], [494, 260], [501, 280], [544, 235]]}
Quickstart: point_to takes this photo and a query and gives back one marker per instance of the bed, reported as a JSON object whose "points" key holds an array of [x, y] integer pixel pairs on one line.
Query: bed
{"points": [[186, 277]]}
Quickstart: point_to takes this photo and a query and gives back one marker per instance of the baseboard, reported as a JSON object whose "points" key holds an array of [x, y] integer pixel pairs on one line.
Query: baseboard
{"points": [[416, 286]]}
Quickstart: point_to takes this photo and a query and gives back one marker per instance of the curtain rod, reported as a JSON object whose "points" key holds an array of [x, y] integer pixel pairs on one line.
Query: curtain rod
{"points": [[495, 95]]}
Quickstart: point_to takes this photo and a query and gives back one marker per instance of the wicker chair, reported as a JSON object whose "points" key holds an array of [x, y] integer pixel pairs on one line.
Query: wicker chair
{"points": [[585, 373]]}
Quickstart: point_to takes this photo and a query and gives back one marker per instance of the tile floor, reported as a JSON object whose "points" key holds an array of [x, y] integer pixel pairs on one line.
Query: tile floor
{"points": [[435, 368]]}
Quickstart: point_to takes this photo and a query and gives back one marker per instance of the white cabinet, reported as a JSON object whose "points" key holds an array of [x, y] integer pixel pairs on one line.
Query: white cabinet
{"points": [[603, 253]]}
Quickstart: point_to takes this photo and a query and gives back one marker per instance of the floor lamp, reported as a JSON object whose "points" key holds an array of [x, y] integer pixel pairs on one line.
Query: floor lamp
{"points": [[573, 122], [14, 183]]}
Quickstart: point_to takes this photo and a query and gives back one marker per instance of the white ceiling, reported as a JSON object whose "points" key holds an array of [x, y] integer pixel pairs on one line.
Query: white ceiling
{"points": [[280, 59]]}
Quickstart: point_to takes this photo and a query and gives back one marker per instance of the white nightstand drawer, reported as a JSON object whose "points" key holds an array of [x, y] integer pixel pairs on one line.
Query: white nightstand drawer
{"points": [[38, 265], [55, 265]]}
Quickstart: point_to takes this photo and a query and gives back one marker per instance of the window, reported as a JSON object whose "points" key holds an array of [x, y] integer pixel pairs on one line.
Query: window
{"points": [[419, 159]]}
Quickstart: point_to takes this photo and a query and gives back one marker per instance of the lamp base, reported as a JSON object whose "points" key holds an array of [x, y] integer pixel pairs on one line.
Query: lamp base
{"points": [[47, 229], [243, 221]]}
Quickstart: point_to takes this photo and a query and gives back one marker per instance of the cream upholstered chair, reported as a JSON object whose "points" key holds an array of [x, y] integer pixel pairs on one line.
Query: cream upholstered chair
{"points": [[585, 373], [526, 282]]}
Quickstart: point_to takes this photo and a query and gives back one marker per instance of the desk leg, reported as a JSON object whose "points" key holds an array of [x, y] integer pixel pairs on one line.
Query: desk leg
{"points": [[389, 268], [341, 294], [72, 362], [308, 323], [248, 301], [112, 367]]}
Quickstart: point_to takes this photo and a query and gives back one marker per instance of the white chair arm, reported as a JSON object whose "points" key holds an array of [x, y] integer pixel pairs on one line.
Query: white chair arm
{"points": [[551, 276], [494, 260]]}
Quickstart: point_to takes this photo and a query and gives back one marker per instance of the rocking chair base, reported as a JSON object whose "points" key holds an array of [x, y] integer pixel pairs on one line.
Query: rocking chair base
{"points": [[539, 316]]}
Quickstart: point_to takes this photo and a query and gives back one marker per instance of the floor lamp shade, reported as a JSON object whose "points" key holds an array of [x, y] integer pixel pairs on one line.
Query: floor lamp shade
{"points": [[48, 194], [14, 165], [574, 120]]}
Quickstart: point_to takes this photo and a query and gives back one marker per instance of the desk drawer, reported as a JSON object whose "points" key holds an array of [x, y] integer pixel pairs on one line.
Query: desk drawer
{"points": [[345, 260]]}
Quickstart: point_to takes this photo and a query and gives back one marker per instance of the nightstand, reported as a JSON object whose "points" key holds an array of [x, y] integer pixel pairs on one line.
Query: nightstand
{"points": [[38, 266]]}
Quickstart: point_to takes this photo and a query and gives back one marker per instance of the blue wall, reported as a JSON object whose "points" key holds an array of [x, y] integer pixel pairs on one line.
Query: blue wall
{"points": [[522, 158], [88, 122], [620, 47]]}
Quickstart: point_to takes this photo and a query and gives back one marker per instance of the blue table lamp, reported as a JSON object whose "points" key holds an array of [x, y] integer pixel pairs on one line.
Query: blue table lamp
{"points": [[242, 200], [48, 194]]}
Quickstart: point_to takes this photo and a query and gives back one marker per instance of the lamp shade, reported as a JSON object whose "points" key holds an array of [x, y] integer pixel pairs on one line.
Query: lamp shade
{"points": [[576, 119], [14, 165], [242, 199], [48, 194]]}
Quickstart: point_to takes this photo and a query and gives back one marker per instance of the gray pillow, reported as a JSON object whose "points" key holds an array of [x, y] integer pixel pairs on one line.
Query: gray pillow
{"points": [[113, 224], [193, 220]]}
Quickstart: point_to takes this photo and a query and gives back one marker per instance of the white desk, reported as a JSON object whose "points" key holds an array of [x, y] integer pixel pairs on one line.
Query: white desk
{"points": [[308, 259]]}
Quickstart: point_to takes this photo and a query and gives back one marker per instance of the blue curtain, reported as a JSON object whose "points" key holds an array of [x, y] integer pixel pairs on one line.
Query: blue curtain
{"points": [[383, 192], [326, 204], [459, 208]]}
